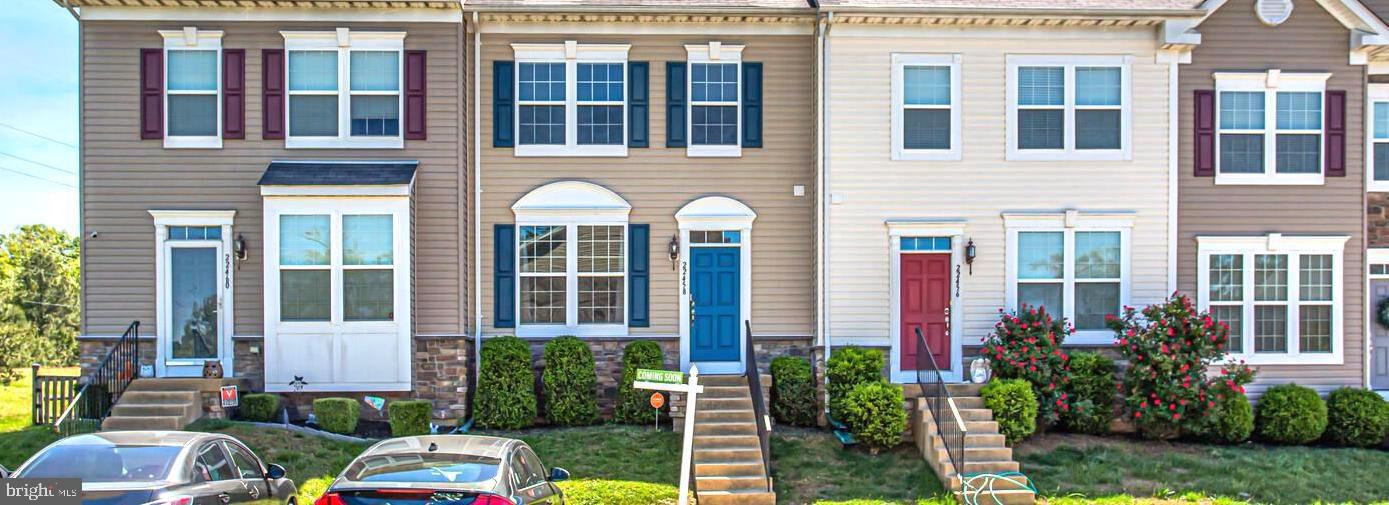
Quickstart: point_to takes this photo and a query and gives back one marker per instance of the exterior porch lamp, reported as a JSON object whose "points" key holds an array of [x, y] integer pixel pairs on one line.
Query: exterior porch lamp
{"points": [[970, 252], [674, 251]]}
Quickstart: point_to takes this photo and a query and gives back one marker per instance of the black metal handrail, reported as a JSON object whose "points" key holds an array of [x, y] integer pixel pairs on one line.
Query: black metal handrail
{"points": [[946, 416], [103, 387], [759, 405]]}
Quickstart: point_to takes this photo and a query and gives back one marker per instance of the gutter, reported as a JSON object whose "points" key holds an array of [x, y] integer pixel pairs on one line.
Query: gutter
{"points": [[823, 194], [477, 205], [635, 9]]}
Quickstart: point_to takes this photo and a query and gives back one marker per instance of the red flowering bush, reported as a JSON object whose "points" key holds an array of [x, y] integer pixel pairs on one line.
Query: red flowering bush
{"points": [[1027, 345], [1166, 389]]}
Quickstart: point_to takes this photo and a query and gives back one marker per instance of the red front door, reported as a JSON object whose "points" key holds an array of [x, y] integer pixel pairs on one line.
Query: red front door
{"points": [[925, 304]]}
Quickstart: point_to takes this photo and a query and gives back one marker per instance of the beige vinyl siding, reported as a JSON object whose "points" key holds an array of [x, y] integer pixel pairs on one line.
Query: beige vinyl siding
{"points": [[871, 188], [658, 181], [124, 177], [1233, 39]]}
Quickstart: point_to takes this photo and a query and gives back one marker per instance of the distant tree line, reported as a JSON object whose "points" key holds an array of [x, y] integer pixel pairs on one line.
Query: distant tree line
{"points": [[39, 299]]}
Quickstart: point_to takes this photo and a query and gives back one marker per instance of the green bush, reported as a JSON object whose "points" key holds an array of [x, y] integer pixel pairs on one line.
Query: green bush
{"points": [[1014, 406], [337, 415], [619, 492], [1290, 414], [260, 407], [874, 413], [1092, 384], [633, 406], [793, 391], [410, 417], [506, 386], [1356, 418], [1027, 345], [569, 383], [847, 368], [1231, 419]]}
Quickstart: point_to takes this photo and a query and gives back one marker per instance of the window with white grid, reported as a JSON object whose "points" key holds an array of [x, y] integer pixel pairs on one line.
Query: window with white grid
{"points": [[1080, 272], [1269, 128], [344, 89], [571, 99], [926, 112], [1068, 107], [573, 276], [192, 88]]}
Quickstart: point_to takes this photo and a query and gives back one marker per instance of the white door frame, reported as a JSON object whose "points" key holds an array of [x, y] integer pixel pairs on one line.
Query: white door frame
{"points": [[226, 319], [1373, 255], [712, 213], [955, 230]]}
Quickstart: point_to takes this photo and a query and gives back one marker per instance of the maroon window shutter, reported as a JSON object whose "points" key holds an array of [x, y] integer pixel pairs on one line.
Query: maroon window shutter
{"points": [[234, 93], [1336, 133], [272, 93], [151, 93], [414, 95], [1204, 149]]}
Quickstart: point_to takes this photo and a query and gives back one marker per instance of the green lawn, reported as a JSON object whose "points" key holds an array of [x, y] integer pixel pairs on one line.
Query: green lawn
{"points": [[811, 468], [18, 437]]}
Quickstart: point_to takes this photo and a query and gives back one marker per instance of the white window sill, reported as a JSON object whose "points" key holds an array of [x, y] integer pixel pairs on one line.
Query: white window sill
{"points": [[926, 154], [175, 142], [585, 330], [344, 143], [695, 151], [1378, 187], [1091, 337], [1064, 155], [1270, 179], [1325, 358], [591, 151]]}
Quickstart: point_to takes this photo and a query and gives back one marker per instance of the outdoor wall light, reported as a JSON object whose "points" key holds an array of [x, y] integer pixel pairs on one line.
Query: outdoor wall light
{"points": [[242, 252], [970, 252], [674, 251]]}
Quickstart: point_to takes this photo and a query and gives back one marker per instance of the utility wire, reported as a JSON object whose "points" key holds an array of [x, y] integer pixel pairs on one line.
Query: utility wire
{"points": [[39, 163], [27, 132], [32, 176]]}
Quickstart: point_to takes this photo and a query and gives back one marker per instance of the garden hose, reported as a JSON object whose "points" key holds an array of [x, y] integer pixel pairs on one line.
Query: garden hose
{"points": [[976, 485]]}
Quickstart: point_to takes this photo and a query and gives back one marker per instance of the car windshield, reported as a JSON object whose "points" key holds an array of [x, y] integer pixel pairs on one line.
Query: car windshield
{"points": [[104, 463], [424, 468]]}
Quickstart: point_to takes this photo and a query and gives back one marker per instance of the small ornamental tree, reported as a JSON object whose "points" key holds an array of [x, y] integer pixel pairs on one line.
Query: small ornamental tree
{"points": [[1027, 345], [1166, 390]]}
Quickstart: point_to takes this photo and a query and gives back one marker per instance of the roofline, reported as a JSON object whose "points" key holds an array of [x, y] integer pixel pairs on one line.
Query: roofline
{"points": [[639, 9], [1000, 11]]}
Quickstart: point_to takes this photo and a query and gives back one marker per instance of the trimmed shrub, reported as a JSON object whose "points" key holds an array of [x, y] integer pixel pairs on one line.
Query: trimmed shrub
{"points": [[1014, 406], [1231, 420], [633, 406], [506, 387], [1092, 387], [873, 411], [410, 417], [337, 415], [793, 391], [260, 407], [847, 368], [569, 382], [1290, 414], [1027, 345], [1356, 418]]}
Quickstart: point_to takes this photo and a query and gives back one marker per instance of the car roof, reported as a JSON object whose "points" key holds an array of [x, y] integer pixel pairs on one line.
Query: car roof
{"points": [[162, 438], [471, 445]]}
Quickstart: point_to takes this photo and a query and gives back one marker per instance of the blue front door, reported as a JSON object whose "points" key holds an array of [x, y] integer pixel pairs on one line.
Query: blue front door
{"points": [[716, 321]]}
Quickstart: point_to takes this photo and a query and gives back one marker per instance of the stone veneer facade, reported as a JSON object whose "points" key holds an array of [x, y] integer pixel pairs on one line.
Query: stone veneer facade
{"points": [[1377, 219]]}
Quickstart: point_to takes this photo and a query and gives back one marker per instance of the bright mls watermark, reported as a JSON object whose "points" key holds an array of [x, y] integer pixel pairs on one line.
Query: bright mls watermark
{"points": [[41, 492]]}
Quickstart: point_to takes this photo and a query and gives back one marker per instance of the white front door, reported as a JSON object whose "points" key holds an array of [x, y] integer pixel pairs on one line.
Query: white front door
{"points": [[194, 331]]}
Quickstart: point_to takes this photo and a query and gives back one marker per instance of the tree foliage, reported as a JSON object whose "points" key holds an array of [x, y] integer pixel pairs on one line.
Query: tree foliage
{"points": [[39, 298]]}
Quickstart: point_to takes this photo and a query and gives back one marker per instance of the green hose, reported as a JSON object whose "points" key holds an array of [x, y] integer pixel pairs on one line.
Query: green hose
{"points": [[975, 485]]}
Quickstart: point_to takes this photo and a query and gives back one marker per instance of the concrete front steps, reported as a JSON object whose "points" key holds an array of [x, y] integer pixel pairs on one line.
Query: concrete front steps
{"points": [[985, 450], [727, 453], [158, 404]]}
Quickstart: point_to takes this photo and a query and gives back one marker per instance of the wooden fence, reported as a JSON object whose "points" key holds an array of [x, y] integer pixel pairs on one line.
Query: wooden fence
{"points": [[52, 394]]}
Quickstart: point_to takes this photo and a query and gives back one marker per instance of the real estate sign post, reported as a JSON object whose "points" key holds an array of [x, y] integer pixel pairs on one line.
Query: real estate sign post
{"points": [[671, 380]]}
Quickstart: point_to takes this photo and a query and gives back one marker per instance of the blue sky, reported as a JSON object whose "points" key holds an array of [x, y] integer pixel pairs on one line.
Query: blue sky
{"points": [[38, 94]]}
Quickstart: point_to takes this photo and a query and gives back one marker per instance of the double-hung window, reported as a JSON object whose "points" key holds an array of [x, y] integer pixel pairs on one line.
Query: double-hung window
{"points": [[344, 89], [1279, 296], [1080, 272], [353, 269], [1069, 108], [1269, 128], [192, 88], [715, 92], [1379, 137], [925, 107], [573, 278], [571, 99]]}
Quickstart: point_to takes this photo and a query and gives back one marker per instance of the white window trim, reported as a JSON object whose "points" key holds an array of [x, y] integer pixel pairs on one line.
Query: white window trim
{"points": [[344, 42], [1270, 83], [1376, 94], [192, 39], [955, 231], [571, 53], [1293, 247], [713, 52], [1068, 151], [899, 106], [1068, 223], [163, 219]]}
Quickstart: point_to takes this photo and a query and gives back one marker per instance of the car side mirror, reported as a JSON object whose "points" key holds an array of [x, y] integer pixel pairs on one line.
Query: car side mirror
{"points": [[4, 472], [558, 474], [275, 472]]}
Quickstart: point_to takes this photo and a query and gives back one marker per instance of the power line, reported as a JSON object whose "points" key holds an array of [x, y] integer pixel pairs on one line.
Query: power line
{"points": [[39, 163], [27, 132], [32, 176]]}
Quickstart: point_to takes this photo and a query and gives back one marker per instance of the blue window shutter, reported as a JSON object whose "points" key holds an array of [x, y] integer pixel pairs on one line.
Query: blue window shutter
{"points": [[503, 104], [504, 276], [638, 104], [675, 104], [639, 275], [752, 104]]}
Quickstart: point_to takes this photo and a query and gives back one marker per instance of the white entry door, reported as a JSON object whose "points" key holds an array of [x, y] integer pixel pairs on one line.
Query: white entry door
{"points": [[194, 326]]}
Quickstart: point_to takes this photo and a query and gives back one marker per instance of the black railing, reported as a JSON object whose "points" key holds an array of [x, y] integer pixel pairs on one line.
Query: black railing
{"points": [[51, 395], [759, 405], [103, 387], [945, 415]]}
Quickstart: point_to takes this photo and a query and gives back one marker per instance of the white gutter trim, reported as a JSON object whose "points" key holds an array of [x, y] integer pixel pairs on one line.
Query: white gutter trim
{"points": [[823, 194], [477, 207], [1173, 172]]}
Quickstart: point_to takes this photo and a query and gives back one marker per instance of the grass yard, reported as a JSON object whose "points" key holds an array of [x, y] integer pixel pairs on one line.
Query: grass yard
{"points": [[811, 468], [18, 437]]}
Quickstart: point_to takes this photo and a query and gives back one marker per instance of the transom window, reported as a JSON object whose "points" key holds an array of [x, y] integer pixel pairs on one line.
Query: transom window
{"points": [[926, 122], [195, 233], [1269, 127], [715, 105], [1068, 107], [925, 244], [571, 99], [1079, 272], [192, 88], [344, 94], [716, 237], [573, 275], [360, 276]]}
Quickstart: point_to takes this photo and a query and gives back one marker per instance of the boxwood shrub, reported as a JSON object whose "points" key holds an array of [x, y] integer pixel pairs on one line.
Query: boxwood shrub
{"points": [[410, 417], [633, 405], [1231, 419], [873, 411], [1356, 418], [1093, 387], [793, 391], [337, 415], [1290, 414], [260, 407], [506, 387], [847, 368], [569, 383], [1014, 406]]}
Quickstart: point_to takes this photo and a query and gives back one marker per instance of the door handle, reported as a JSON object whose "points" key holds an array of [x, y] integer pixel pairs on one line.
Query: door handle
{"points": [[226, 498]]}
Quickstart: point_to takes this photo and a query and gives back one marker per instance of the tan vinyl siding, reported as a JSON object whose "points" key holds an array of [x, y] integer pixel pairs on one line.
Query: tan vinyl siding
{"points": [[658, 181], [1233, 39], [124, 177]]}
